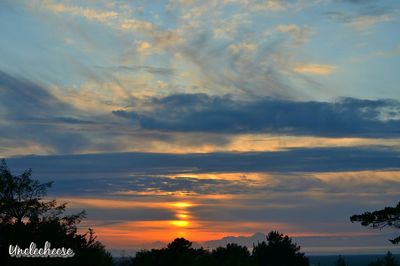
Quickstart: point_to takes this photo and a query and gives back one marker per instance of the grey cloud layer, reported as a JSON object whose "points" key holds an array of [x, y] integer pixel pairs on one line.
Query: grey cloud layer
{"points": [[203, 113], [31, 113], [152, 172]]}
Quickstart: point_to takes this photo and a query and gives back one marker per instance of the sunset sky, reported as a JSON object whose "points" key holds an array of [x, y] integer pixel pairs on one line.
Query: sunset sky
{"points": [[207, 119]]}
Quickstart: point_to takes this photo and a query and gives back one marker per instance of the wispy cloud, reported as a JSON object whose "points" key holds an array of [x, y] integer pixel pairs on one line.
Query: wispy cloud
{"points": [[87, 13], [365, 22], [300, 34], [315, 69], [364, 19]]}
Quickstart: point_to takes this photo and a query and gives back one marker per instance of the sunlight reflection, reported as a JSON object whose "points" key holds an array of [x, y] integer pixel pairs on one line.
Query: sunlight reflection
{"points": [[182, 216], [182, 213], [181, 205], [180, 223]]}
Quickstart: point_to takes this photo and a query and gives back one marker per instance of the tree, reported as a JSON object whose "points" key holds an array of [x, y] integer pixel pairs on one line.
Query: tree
{"points": [[341, 261], [21, 197], [180, 245], [25, 217], [388, 260], [178, 253], [279, 251], [387, 217], [232, 255]]}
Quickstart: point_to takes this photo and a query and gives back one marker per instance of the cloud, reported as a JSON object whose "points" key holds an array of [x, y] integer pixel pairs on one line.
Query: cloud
{"points": [[163, 71], [32, 115], [89, 14], [107, 118], [24, 100], [364, 19], [209, 51], [143, 47], [269, 5], [315, 69], [137, 25], [203, 113], [300, 34], [394, 52], [293, 160], [365, 22], [304, 192]]}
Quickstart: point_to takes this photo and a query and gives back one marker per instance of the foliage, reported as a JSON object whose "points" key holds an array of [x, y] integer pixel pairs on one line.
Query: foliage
{"points": [[179, 252], [387, 217], [388, 260], [26, 217], [278, 251], [232, 255], [341, 261]]}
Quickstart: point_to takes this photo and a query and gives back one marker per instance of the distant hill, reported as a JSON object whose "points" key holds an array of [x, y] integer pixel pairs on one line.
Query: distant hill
{"points": [[240, 240]]}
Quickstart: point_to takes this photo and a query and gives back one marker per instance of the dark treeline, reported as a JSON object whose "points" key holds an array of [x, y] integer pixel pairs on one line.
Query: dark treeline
{"points": [[277, 250]]}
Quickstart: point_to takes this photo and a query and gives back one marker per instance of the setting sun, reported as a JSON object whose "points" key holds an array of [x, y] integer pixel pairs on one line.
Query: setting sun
{"points": [[180, 223]]}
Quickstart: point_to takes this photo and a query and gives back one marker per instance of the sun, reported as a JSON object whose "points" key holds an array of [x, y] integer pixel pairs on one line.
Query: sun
{"points": [[180, 223]]}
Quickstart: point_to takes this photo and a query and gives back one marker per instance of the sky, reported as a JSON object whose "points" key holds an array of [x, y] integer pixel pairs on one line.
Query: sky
{"points": [[208, 119]]}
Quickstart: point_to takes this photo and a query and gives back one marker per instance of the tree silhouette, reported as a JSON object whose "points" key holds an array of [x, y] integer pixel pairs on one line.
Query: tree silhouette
{"points": [[387, 217], [21, 197], [279, 251], [179, 252], [25, 217], [341, 261], [232, 255], [388, 260], [180, 245]]}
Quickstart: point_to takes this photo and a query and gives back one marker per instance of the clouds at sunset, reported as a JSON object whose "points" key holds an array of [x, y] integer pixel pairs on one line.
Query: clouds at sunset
{"points": [[206, 118]]}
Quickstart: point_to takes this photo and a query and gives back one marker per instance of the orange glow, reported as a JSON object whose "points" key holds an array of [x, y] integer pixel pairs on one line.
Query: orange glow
{"points": [[359, 177], [315, 69], [183, 219], [181, 205], [182, 216], [244, 143], [124, 203], [180, 223], [225, 176], [133, 232]]}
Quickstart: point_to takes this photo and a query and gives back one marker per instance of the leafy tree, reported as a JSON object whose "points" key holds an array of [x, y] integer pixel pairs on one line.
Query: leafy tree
{"points": [[21, 197], [180, 245], [279, 251], [387, 217], [26, 217], [232, 255], [341, 261]]}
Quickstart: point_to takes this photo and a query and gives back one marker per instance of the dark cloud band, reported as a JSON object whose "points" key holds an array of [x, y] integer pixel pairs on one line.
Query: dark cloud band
{"points": [[204, 113]]}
